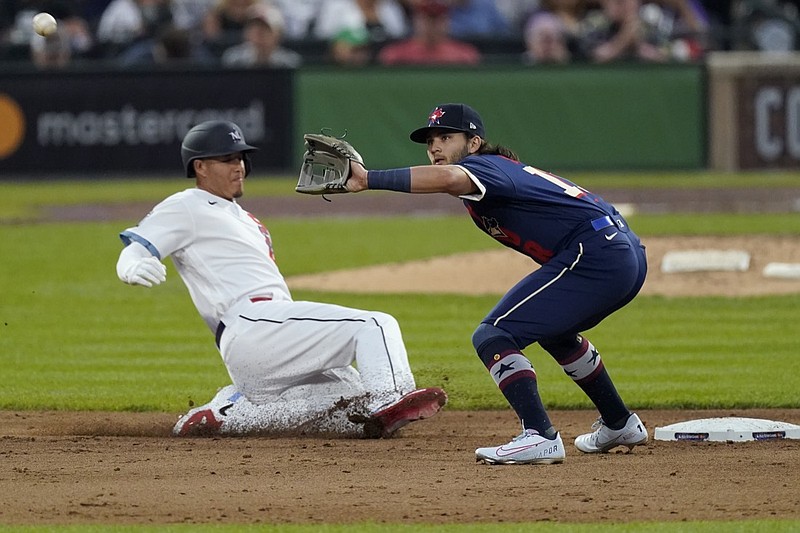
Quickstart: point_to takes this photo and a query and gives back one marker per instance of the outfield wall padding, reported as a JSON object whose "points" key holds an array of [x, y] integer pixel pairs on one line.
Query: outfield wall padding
{"points": [[576, 117]]}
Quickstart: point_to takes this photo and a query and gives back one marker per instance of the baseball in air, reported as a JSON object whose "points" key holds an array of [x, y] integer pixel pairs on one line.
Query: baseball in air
{"points": [[44, 24]]}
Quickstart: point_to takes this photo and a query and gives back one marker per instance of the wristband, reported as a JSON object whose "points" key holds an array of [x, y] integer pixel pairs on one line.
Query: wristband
{"points": [[397, 179]]}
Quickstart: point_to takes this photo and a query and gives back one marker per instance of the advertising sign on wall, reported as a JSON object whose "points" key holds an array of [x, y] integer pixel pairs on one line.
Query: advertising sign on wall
{"points": [[754, 111], [133, 122], [770, 122]]}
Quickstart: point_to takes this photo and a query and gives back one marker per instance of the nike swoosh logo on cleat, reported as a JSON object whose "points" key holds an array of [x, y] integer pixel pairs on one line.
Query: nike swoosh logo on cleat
{"points": [[609, 237], [620, 439], [224, 409], [503, 451], [212, 203]]}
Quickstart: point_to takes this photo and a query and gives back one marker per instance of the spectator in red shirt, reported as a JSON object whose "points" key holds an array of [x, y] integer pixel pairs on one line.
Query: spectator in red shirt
{"points": [[430, 43]]}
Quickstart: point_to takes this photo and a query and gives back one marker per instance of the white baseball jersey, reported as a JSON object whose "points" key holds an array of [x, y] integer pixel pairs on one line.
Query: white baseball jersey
{"points": [[271, 345], [222, 252]]}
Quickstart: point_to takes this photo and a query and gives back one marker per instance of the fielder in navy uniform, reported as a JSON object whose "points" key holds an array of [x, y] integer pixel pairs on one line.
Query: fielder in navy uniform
{"points": [[592, 264]]}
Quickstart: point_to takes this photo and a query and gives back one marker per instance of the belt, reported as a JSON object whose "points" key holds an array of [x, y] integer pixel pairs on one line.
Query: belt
{"points": [[607, 221], [220, 330], [597, 224], [253, 299], [602, 223]]}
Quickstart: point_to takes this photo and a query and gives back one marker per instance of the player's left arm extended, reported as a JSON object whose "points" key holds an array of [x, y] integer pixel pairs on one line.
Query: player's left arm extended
{"points": [[450, 179]]}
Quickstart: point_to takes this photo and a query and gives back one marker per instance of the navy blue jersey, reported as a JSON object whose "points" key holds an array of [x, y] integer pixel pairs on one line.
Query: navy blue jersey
{"points": [[525, 208]]}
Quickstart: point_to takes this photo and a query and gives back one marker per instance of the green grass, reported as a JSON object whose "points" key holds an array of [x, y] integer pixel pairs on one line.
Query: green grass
{"points": [[24, 200], [74, 337], [308, 246], [664, 353]]}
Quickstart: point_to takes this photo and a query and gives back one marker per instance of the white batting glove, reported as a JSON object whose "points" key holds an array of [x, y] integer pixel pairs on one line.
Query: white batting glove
{"points": [[137, 267], [147, 272]]}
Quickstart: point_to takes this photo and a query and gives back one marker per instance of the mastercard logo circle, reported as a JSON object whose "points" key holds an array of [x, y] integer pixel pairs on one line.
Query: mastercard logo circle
{"points": [[13, 131]]}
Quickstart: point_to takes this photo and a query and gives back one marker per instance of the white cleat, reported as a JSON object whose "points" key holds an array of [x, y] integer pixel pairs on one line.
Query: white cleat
{"points": [[528, 448], [603, 438]]}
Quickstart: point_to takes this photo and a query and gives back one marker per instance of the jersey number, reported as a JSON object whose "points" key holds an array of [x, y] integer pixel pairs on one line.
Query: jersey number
{"points": [[569, 188]]}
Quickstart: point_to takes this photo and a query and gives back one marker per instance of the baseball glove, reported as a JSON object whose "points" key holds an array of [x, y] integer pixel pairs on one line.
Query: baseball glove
{"points": [[326, 164]]}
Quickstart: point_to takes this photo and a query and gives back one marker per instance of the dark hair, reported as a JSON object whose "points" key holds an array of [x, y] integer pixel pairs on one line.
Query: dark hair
{"points": [[496, 149]]}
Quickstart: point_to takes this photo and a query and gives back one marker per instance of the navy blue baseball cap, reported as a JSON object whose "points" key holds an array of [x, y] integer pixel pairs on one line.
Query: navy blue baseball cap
{"points": [[455, 117]]}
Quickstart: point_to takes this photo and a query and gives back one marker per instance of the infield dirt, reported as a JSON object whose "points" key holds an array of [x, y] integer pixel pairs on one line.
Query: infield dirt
{"points": [[124, 468]]}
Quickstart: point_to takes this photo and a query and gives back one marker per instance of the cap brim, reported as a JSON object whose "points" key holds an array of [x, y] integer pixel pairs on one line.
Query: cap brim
{"points": [[421, 135]]}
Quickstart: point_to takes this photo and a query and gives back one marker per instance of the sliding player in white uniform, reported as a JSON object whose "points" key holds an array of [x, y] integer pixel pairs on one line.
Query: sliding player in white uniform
{"points": [[291, 363]]}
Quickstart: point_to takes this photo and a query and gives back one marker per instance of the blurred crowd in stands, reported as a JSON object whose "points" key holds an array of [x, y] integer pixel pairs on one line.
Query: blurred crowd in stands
{"points": [[355, 33]]}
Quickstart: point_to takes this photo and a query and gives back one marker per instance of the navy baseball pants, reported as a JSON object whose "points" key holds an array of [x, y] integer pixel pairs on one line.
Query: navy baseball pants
{"points": [[597, 273]]}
